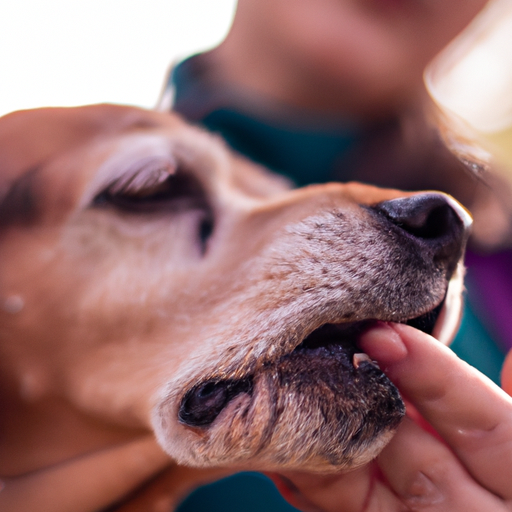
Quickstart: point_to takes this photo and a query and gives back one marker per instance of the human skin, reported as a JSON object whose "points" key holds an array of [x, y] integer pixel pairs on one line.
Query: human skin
{"points": [[506, 374], [361, 58], [461, 461]]}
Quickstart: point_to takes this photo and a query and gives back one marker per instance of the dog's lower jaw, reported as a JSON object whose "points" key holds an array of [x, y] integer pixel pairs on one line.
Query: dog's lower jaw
{"points": [[309, 412], [290, 416]]}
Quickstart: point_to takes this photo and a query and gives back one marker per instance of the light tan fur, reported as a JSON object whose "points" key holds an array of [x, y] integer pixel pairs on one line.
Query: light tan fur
{"points": [[109, 317]]}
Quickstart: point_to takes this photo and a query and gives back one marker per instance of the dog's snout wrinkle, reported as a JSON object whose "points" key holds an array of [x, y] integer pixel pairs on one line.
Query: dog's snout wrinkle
{"points": [[435, 220]]}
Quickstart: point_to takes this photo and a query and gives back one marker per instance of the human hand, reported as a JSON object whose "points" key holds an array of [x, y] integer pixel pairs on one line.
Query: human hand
{"points": [[465, 465]]}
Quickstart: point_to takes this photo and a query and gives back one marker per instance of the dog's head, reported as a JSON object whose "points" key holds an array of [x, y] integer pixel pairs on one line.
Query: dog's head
{"points": [[153, 279]]}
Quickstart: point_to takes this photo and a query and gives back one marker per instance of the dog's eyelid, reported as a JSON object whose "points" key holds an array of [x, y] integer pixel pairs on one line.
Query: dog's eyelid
{"points": [[155, 185], [147, 174]]}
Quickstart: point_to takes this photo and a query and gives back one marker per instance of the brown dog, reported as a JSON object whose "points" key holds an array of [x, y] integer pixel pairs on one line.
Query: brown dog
{"points": [[153, 282]]}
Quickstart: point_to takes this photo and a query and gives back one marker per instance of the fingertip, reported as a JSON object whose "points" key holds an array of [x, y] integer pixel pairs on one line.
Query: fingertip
{"points": [[383, 343]]}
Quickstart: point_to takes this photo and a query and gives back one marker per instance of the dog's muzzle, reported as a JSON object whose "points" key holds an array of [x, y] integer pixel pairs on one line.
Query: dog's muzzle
{"points": [[322, 381], [438, 224]]}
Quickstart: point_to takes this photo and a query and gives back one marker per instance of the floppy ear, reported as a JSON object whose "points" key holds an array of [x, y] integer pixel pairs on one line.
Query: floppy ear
{"points": [[17, 200], [29, 139], [18, 166]]}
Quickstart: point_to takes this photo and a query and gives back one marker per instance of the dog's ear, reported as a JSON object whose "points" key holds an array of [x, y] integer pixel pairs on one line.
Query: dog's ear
{"points": [[18, 200], [30, 139], [18, 150], [27, 140]]}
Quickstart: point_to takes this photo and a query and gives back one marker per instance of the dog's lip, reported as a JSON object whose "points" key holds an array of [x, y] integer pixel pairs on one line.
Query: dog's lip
{"points": [[204, 402], [347, 334]]}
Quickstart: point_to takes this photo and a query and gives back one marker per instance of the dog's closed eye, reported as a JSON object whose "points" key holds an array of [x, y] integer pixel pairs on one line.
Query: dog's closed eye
{"points": [[159, 185], [152, 185], [144, 177]]}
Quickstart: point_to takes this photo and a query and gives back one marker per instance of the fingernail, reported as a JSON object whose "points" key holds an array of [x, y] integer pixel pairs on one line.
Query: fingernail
{"points": [[383, 343]]}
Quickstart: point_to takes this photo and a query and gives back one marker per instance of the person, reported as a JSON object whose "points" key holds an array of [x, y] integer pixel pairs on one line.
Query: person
{"points": [[333, 90]]}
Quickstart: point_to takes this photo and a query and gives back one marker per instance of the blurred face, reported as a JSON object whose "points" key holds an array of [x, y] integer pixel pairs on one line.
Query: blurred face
{"points": [[372, 48]]}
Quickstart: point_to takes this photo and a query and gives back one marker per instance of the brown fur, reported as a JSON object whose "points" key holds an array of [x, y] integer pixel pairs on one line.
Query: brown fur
{"points": [[111, 318]]}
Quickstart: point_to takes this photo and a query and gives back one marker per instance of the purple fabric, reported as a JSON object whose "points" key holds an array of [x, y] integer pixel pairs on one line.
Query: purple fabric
{"points": [[490, 292]]}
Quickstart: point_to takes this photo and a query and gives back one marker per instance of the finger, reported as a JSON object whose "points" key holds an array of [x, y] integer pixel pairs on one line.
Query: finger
{"points": [[506, 374], [361, 490], [425, 475], [471, 413], [346, 492]]}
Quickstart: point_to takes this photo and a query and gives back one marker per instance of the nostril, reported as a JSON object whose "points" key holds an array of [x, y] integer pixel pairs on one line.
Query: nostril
{"points": [[438, 224], [429, 223], [430, 216], [203, 403]]}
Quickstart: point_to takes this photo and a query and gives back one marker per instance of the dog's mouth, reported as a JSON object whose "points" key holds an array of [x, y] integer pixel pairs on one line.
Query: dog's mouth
{"points": [[322, 406], [203, 403], [346, 335]]}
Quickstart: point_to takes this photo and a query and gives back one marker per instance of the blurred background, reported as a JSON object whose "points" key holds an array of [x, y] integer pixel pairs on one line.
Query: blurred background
{"points": [[473, 78], [70, 52]]}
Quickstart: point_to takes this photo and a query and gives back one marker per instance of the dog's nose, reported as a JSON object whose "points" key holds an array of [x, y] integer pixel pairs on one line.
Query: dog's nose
{"points": [[437, 221]]}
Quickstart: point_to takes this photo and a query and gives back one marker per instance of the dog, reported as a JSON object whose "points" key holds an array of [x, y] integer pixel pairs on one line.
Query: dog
{"points": [[156, 285]]}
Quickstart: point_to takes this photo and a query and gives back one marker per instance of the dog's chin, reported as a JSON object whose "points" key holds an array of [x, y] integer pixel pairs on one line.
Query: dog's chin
{"points": [[323, 407], [311, 410]]}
